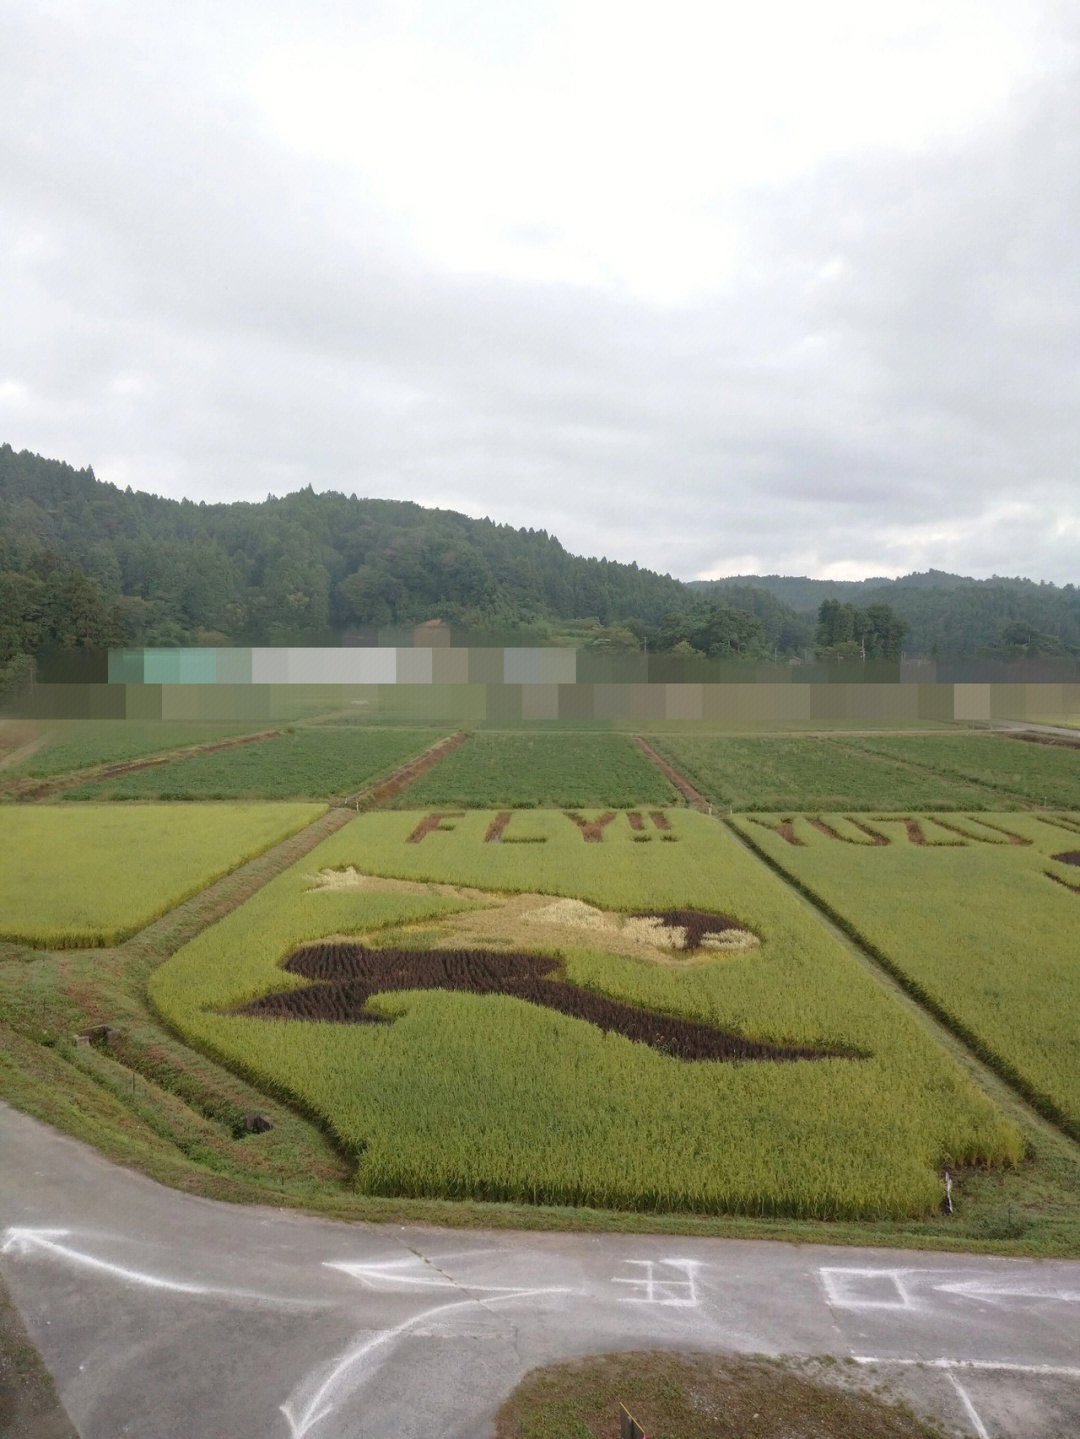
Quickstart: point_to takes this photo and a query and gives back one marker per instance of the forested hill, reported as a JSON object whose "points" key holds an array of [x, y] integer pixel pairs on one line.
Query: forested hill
{"points": [[85, 563], [945, 614]]}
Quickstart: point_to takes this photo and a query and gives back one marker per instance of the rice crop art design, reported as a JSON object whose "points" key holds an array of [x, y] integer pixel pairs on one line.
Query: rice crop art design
{"points": [[345, 976]]}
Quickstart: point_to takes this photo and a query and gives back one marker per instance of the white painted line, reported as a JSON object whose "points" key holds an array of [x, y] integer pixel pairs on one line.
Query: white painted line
{"points": [[318, 1406], [26, 1241], [992, 1293], [1060, 1371], [678, 1293], [866, 1288], [390, 1275], [972, 1413]]}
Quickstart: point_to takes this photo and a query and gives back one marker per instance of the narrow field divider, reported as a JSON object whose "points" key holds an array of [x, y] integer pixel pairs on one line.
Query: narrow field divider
{"points": [[378, 793], [1040, 1102], [36, 789]]}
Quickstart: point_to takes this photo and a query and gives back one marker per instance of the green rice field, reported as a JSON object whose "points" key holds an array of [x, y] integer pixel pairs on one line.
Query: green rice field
{"points": [[542, 768], [771, 773], [79, 744], [1015, 770], [307, 763], [90, 875], [981, 926], [489, 1096]]}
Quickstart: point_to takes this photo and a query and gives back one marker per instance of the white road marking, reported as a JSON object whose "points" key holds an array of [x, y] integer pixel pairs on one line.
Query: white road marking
{"points": [[393, 1273], [318, 1406], [866, 1288], [680, 1292], [1057, 1371], [979, 1289], [972, 1413], [18, 1240]]}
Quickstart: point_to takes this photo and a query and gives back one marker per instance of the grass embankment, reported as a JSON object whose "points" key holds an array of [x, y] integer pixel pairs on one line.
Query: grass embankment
{"points": [[490, 1097], [143, 1097], [542, 769], [773, 773], [1016, 770], [93, 875], [969, 921], [308, 763], [697, 1396]]}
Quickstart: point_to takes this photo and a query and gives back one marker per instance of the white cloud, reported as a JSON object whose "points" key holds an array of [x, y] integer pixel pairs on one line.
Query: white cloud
{"points": [[755, 288], [14, 394], [626, 138]]}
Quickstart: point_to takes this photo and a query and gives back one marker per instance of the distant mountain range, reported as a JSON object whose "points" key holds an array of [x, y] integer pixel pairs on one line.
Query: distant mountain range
{"points": [[84, 563], [946, 614]]}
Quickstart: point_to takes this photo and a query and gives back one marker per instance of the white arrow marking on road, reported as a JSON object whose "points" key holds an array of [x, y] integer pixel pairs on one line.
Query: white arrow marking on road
{"points": [[394, 1272], [18, 1240], [996, 1293], [25, 1241], [318, 1408]]}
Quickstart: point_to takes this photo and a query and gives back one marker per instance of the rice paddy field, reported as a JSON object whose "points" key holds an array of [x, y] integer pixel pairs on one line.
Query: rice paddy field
{"points": [[1015, 770], [71, 745], [447, 1086], [542, 768], [322, 762], [92, 875], [531, 975], [979, 914], [771, 773]]}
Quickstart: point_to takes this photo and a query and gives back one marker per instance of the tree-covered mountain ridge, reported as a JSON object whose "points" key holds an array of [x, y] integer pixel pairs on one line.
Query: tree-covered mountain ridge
{"points": [[83, 562], [944, 614]]}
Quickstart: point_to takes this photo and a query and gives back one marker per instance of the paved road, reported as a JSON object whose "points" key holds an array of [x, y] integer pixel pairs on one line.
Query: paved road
{"points": [[164, 1315]]}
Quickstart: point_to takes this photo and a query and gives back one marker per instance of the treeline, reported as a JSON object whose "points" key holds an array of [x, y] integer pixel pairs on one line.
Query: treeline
{"points": [[83, 563], [844, 632], [944, 614]]}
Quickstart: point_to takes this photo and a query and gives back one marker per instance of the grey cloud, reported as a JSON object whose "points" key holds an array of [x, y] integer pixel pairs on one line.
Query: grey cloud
{"points": [[287, 334]]}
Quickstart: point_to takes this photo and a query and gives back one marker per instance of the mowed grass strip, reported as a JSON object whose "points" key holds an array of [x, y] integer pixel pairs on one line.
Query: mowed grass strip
{"points": [[93, 874], [490, 1097], [773, 773], [1044, 774], [974, 924], [311, 763], [573, 769], [72, 745]]}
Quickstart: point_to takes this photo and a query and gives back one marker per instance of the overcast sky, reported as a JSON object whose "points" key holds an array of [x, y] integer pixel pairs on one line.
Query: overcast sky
{"points": [[720, 288]]}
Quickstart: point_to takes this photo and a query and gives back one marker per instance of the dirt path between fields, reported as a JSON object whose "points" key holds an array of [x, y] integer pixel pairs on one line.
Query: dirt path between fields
{"points": [[1043, 737], [19, 739], [166, 934], [685, 788], [373, 795], [30, 788]]}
